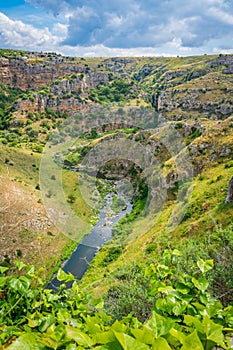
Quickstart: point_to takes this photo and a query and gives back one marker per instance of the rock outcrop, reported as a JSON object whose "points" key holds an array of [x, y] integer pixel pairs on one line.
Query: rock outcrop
{"points": [[229, 197]]}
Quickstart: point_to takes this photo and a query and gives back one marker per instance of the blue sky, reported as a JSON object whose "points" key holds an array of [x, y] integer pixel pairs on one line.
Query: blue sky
{"points": [[118, 27]]}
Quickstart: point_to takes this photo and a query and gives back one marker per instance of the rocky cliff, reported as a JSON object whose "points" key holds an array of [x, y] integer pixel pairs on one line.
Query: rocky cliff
{"points": [[180, 88]]}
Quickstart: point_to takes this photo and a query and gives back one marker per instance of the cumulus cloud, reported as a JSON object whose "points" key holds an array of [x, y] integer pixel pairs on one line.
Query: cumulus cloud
{"points": [[16, 34], [140, 23], [121, 27]]}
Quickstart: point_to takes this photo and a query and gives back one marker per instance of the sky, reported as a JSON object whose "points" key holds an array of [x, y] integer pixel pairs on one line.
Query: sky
{"points": [[118, 27]]}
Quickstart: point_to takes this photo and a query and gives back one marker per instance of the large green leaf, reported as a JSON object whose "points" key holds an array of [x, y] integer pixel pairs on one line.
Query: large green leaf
{"points": [[201, 284], [104, 337], [3, 269], [213, 331], [205, 265], [161, 344], [78, 336], [93, 325], [119, 327], [159, 324], [177, 334], [193, 321], [20, 284], [25, 342], [144, 335], [129, 343], [193, 342]]}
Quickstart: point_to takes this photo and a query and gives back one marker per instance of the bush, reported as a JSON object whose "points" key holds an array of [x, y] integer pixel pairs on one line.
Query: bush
{"points": [[130, 295], [113, 254]]}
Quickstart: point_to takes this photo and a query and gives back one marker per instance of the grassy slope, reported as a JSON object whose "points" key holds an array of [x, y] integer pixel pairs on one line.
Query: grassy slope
{"points": [[27, 233]]}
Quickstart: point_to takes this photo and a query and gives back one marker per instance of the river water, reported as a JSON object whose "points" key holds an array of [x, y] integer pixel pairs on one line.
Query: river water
{"points": [[86, 250]]}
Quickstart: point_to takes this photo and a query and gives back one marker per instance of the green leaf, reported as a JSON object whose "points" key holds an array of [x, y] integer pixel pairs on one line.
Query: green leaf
{"points": [[214, 308], [193, 342], [46, 322], [19, 264], [177, 334], [3, 269], [166, 289], [79, 337], [3, 281], [205, 265], [119, 327], [213, 331], [127, 342], [182, 288], [75, 287], [63, 315], [201, 284], [193, 321], [33, 323], [159, 324], [100, 305], [93, 324], [179, 308], [55, 334], [161, 344], [20, 284], [64, 277], [144, 335], [31, 270], [104, 337], [25, 342]]}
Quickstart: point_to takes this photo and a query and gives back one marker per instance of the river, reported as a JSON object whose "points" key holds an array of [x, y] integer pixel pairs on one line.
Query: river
{"points": [[86, 250]]}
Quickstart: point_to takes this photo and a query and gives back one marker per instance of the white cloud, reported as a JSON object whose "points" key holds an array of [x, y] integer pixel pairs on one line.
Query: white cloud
{"points": [[148, 23], [17, 34], [60, 30], [221, 16], [123, 27]]}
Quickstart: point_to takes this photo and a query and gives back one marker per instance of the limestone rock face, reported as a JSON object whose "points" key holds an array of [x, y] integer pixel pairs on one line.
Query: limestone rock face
{"points": [[200, 100], [230, 191], [30, 75], [177, 88]]}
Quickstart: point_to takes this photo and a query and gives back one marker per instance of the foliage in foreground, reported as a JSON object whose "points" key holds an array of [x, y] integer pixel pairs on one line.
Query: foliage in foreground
{"points": [[183, 316]]}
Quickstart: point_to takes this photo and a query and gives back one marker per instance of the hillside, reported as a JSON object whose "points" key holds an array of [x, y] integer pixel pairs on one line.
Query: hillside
{"points": [[72, 128]]}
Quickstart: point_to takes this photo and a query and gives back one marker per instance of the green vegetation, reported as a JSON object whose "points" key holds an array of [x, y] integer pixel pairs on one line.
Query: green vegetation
{"points": [[115, 91], [179, 314], [118, 204], [9, 53], [8, 96]]}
